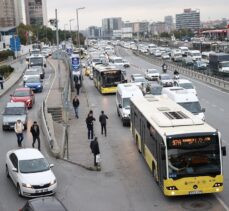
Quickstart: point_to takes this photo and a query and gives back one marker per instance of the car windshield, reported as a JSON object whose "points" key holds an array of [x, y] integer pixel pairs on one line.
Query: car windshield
{"points": [[126, 103], [118, 61], [14, 111], [193, 156], [33, 80], [21, 93], [187, 85], [152, 71], [36, 61], [139, 79], [225, 64], [156, 90], [165, 77], [32, 73], [33, 166], [196, 54], [193, 107]]}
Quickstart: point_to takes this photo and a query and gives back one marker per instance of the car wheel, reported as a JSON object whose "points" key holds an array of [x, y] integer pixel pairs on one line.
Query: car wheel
{"points": [[19, 190], [7, 172]]}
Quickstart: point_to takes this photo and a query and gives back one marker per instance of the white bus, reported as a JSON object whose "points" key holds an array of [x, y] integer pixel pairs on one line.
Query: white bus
{"points": [[183, 152]]}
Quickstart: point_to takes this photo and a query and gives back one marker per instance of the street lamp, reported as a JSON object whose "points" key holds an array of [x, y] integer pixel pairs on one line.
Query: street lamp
{"points": [[70, 27], [77, 18]]}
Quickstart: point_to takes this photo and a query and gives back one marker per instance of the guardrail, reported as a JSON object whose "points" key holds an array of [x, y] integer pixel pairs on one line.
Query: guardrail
{"points": [[219, 83]]}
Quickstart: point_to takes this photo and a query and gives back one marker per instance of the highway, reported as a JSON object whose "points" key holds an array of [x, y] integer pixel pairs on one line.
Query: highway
{"points": [[125, 182]]}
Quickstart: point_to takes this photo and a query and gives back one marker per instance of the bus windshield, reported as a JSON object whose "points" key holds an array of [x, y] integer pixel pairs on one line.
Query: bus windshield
{"points": [[36, 61], [193, 107], [111, 78], [193, 156]]}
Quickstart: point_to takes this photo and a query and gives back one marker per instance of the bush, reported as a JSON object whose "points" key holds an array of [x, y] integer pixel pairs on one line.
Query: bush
{"points": [[5, 54], [6, 70]]}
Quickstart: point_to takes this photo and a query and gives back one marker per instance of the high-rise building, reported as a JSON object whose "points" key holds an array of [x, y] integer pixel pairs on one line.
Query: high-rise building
{"points": [[94, 32], [36, 12], [110, 24], [189, 19], [168, 23], [7, 13]]}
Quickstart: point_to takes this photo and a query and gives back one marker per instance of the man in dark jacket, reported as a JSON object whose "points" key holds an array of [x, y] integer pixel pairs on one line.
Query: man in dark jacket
{"points": [[94, 145], [76, 103], [35, 133], [89, 122], [103, 121]]}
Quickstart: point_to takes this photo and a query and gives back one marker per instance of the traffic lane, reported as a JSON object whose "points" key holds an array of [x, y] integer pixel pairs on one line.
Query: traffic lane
{"points": [[9, 141], [121, 159]]}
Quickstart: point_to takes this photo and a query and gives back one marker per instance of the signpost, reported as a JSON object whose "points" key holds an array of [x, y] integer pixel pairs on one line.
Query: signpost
{"points": [[15, 44]]}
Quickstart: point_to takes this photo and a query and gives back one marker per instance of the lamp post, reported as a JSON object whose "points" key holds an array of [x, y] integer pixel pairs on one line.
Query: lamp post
{"points": [[70, 27], [77, 18]]}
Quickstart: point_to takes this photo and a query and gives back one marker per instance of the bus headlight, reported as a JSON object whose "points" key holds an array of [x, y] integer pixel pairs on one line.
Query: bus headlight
{"points": [[218, 184], [171, 188]]}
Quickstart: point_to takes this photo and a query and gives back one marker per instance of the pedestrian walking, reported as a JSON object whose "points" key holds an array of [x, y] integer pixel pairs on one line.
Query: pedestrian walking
{"points": [[89, 122], [18, 128], [78, 86], [94, 145], [103, 122], [76, 103], [1, 81], [36, 134]]}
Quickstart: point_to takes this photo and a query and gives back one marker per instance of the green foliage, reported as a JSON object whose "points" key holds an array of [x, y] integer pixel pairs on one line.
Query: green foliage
{"points": [[165, 34], [183, 33], [5, 54], [6, 70]]}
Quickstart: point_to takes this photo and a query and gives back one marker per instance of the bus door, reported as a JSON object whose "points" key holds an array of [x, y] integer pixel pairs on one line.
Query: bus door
{"points": [[160, 162]]}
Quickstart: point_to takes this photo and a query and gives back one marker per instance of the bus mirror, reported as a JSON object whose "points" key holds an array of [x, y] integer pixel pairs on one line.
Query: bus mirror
{"points": [[119, 105], [203, 109], [224, 151]]}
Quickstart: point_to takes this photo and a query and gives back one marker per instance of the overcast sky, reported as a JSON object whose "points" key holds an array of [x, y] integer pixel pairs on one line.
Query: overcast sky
{"points": [[131, 10]]}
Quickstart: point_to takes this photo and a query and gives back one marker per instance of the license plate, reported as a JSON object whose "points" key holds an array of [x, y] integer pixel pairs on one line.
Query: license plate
{"points": [[195, 192], [42, 190]]}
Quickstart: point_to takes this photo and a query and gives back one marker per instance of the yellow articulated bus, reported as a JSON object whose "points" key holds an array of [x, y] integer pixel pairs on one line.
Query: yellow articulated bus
{"points": [[183, 152], [106, 78]]}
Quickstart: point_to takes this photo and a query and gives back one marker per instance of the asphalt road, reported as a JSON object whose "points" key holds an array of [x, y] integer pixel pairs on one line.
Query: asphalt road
{"points": [[125, 182]]}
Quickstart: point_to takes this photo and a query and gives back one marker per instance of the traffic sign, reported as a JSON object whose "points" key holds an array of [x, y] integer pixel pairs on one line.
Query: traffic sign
{"points": [[15, 43]]}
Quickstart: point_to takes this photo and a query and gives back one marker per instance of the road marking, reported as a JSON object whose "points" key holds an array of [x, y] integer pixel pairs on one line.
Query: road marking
{"points": [[222, 203]]}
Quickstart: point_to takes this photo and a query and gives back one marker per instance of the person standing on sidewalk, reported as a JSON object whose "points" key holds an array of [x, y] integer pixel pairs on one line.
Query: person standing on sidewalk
{"points": [[77, 79], [94, 145], [1, 81], [103, 121], [36, 134], [76, 103], [89, 122], [18, 128]]}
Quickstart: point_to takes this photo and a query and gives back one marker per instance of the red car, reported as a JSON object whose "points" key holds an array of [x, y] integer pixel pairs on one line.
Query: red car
{"points": [[24, 95]]}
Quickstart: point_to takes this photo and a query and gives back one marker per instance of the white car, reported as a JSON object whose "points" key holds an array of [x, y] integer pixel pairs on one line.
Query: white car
{"points": [[30, 172], [152, 74], [31, 73], [165, 80], [186, 84], [165, 56]]}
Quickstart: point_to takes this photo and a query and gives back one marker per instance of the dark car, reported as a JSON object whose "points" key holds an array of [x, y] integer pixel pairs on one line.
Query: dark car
{"points": [[43, 204]]}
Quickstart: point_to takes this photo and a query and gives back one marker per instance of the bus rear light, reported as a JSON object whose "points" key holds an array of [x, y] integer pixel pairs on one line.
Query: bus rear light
{"points": [[172, 188], [218, 184]]}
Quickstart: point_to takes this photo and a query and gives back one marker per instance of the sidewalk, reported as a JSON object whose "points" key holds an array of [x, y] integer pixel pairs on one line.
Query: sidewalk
{"points": [[78, 148]]}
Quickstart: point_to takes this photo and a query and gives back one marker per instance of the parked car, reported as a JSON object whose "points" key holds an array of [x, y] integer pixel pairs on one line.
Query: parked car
{"points": [[24, 95], [49, 203], [200, 65], [13, 112], [34, 83], [30, 172], [186, 84], [152, 74], [165, 80]]}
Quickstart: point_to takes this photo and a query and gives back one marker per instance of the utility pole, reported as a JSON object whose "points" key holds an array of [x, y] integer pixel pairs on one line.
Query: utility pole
{"points": [[57, 43]]}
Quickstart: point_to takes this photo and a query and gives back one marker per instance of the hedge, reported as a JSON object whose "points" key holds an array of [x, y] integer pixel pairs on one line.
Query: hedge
{"points": [[6, 70], [5, 54]]}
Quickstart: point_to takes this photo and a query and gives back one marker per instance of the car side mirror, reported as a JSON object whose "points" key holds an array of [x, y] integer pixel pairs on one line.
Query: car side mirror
{"points": [[51, 165], [119, 105], [224, 151], [203, 109], [14, 169]]}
